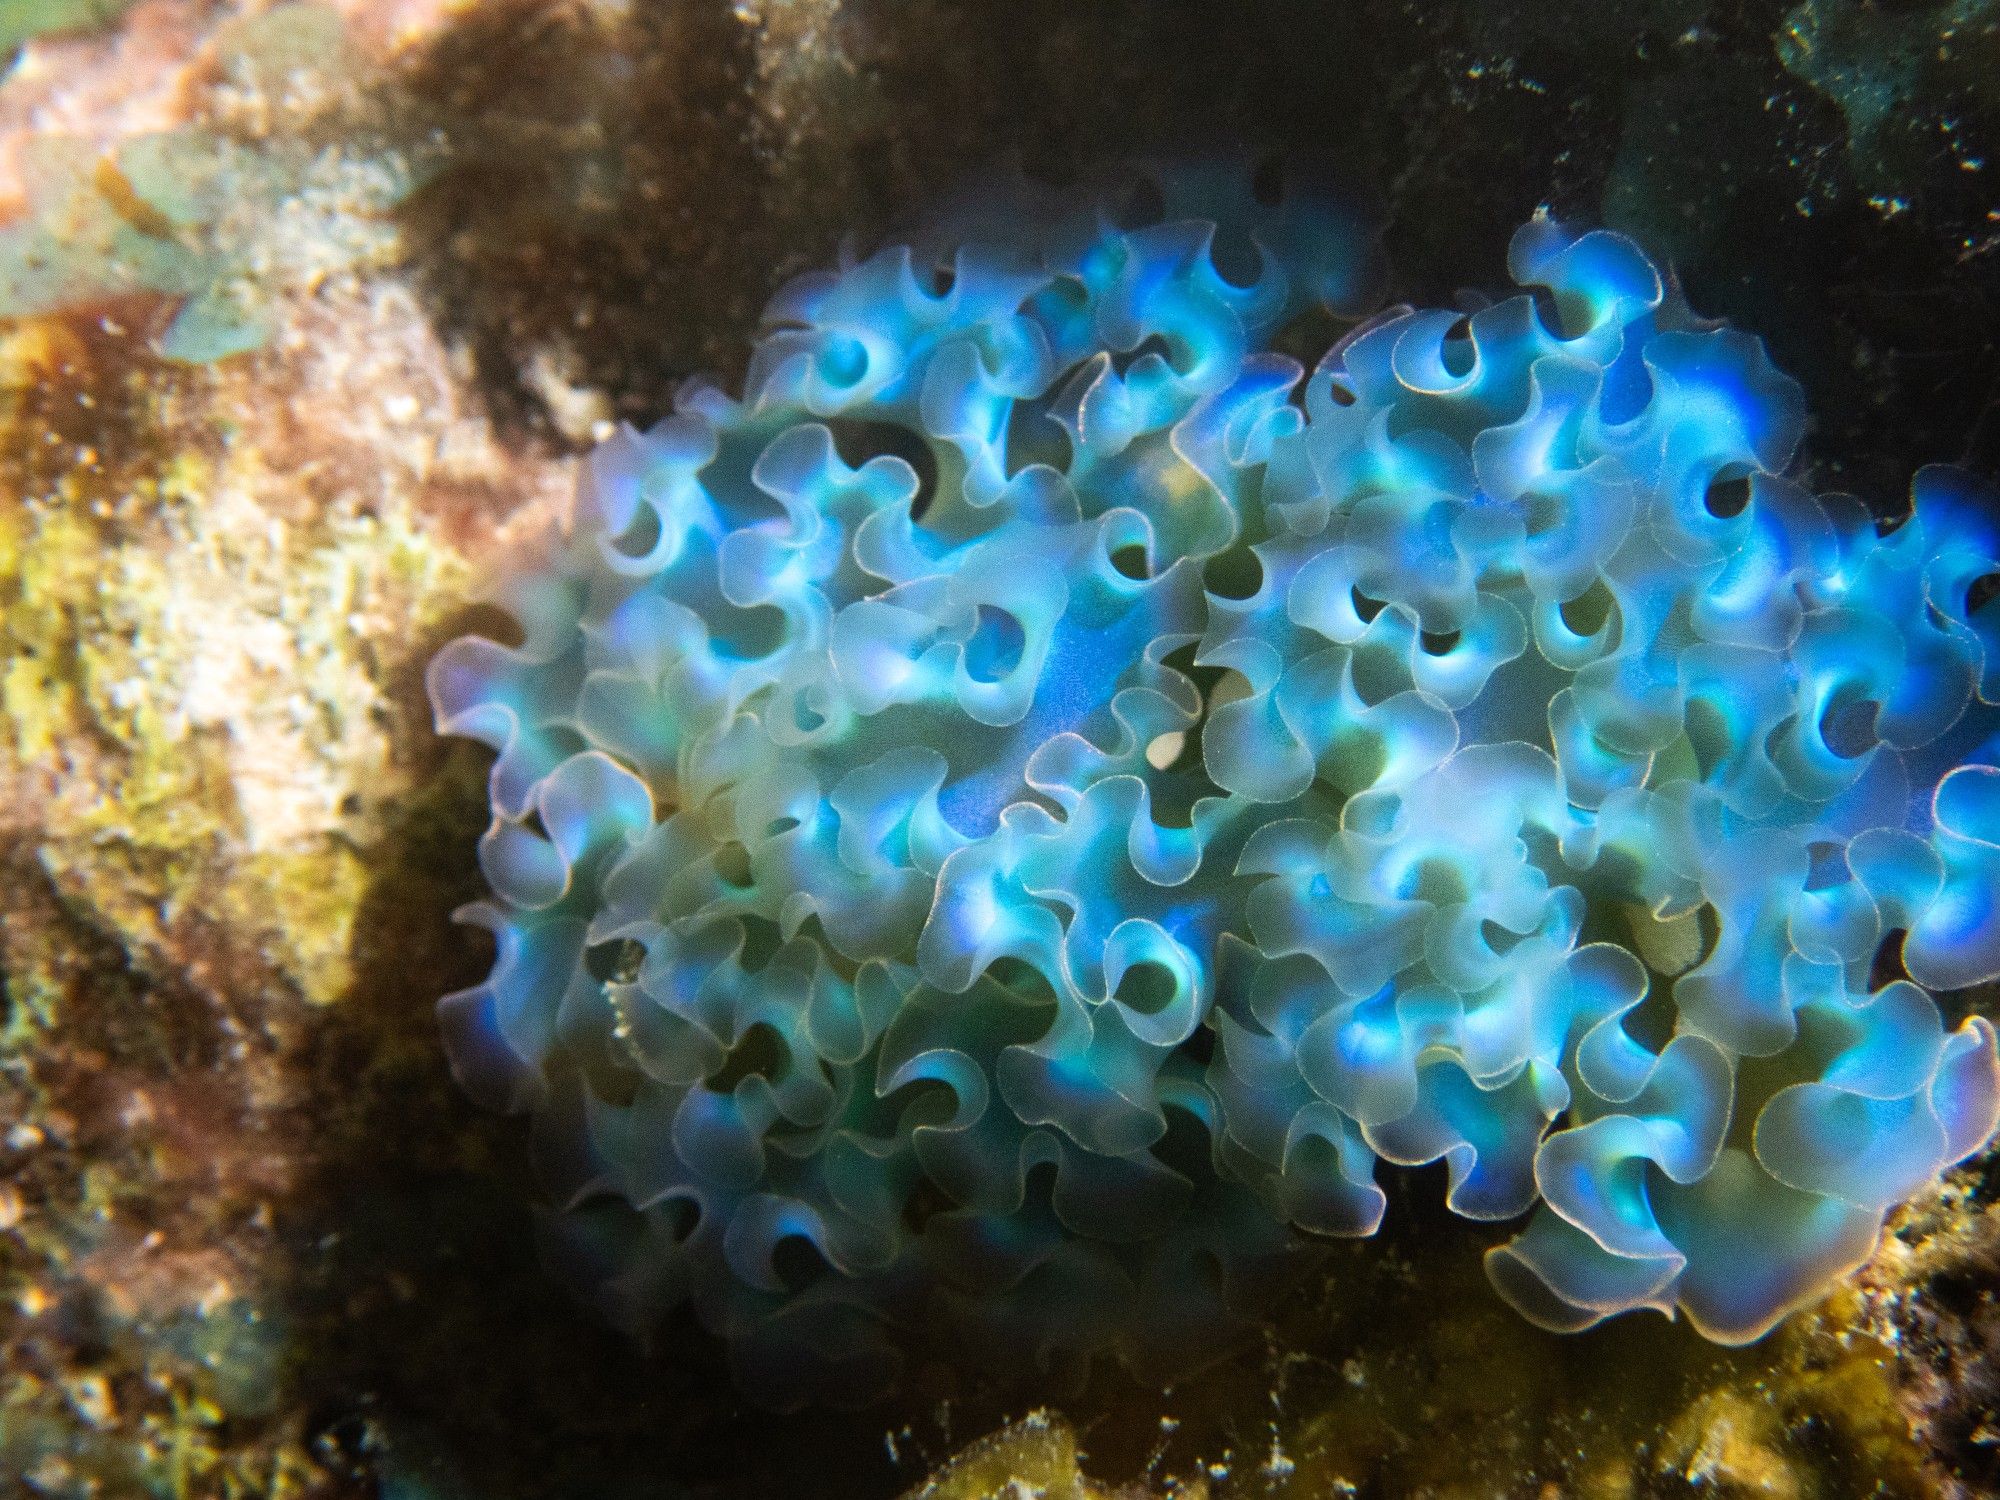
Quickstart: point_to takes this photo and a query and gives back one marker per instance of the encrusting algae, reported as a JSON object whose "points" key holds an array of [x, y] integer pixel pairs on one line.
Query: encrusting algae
{"points": [[191, 683], [1454, 1404], [196, 739]]}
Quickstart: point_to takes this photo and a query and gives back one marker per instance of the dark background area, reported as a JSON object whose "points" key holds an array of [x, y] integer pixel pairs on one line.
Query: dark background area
{"points": [[1817, 173]]}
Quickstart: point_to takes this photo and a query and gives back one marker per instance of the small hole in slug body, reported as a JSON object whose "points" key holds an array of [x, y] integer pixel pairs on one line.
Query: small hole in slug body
{"points": [[1235, 574], [759, 1051], [996, 645], [1848, 725], [642, 536], [615, 962], [1826, 865], [1456, 351], [1147, 988], [1727, 495], [1129, 561], [1586, 613], [1153, 344], [858, 439]]}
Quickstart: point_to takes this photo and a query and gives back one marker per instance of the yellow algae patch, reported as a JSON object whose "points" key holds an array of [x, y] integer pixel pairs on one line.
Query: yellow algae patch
{"points": [[1034, 1459], [194, 682]]}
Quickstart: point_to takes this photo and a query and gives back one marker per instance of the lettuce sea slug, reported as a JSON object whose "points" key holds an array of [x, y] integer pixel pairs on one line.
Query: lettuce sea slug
{"points": [[1005, 825]]}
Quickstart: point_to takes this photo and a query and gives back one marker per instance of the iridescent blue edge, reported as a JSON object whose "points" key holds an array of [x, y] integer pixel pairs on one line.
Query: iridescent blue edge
{"points": [[1046, 878]]}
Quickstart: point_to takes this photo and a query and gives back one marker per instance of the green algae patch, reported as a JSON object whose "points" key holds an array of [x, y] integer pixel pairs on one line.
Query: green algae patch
{"points": [[1812, 1411], [1915, 85], [195, 792], [24, 20], [1034, 1459], [192, 692], [72, 1438], [215, 228], [202, 733], [289, 181], [141, 1357], [1396, 1375]]}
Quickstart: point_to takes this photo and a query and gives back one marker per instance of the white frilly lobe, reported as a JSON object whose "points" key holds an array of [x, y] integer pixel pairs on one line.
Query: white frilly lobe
{"points": [[1011, 895]]}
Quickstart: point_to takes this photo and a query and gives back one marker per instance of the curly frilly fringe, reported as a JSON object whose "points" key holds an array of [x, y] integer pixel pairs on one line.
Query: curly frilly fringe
{"points": [[1003, 826]]}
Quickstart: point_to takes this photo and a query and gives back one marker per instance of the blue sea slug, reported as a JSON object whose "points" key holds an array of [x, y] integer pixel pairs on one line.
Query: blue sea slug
{"points": [[1006, 825]]}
